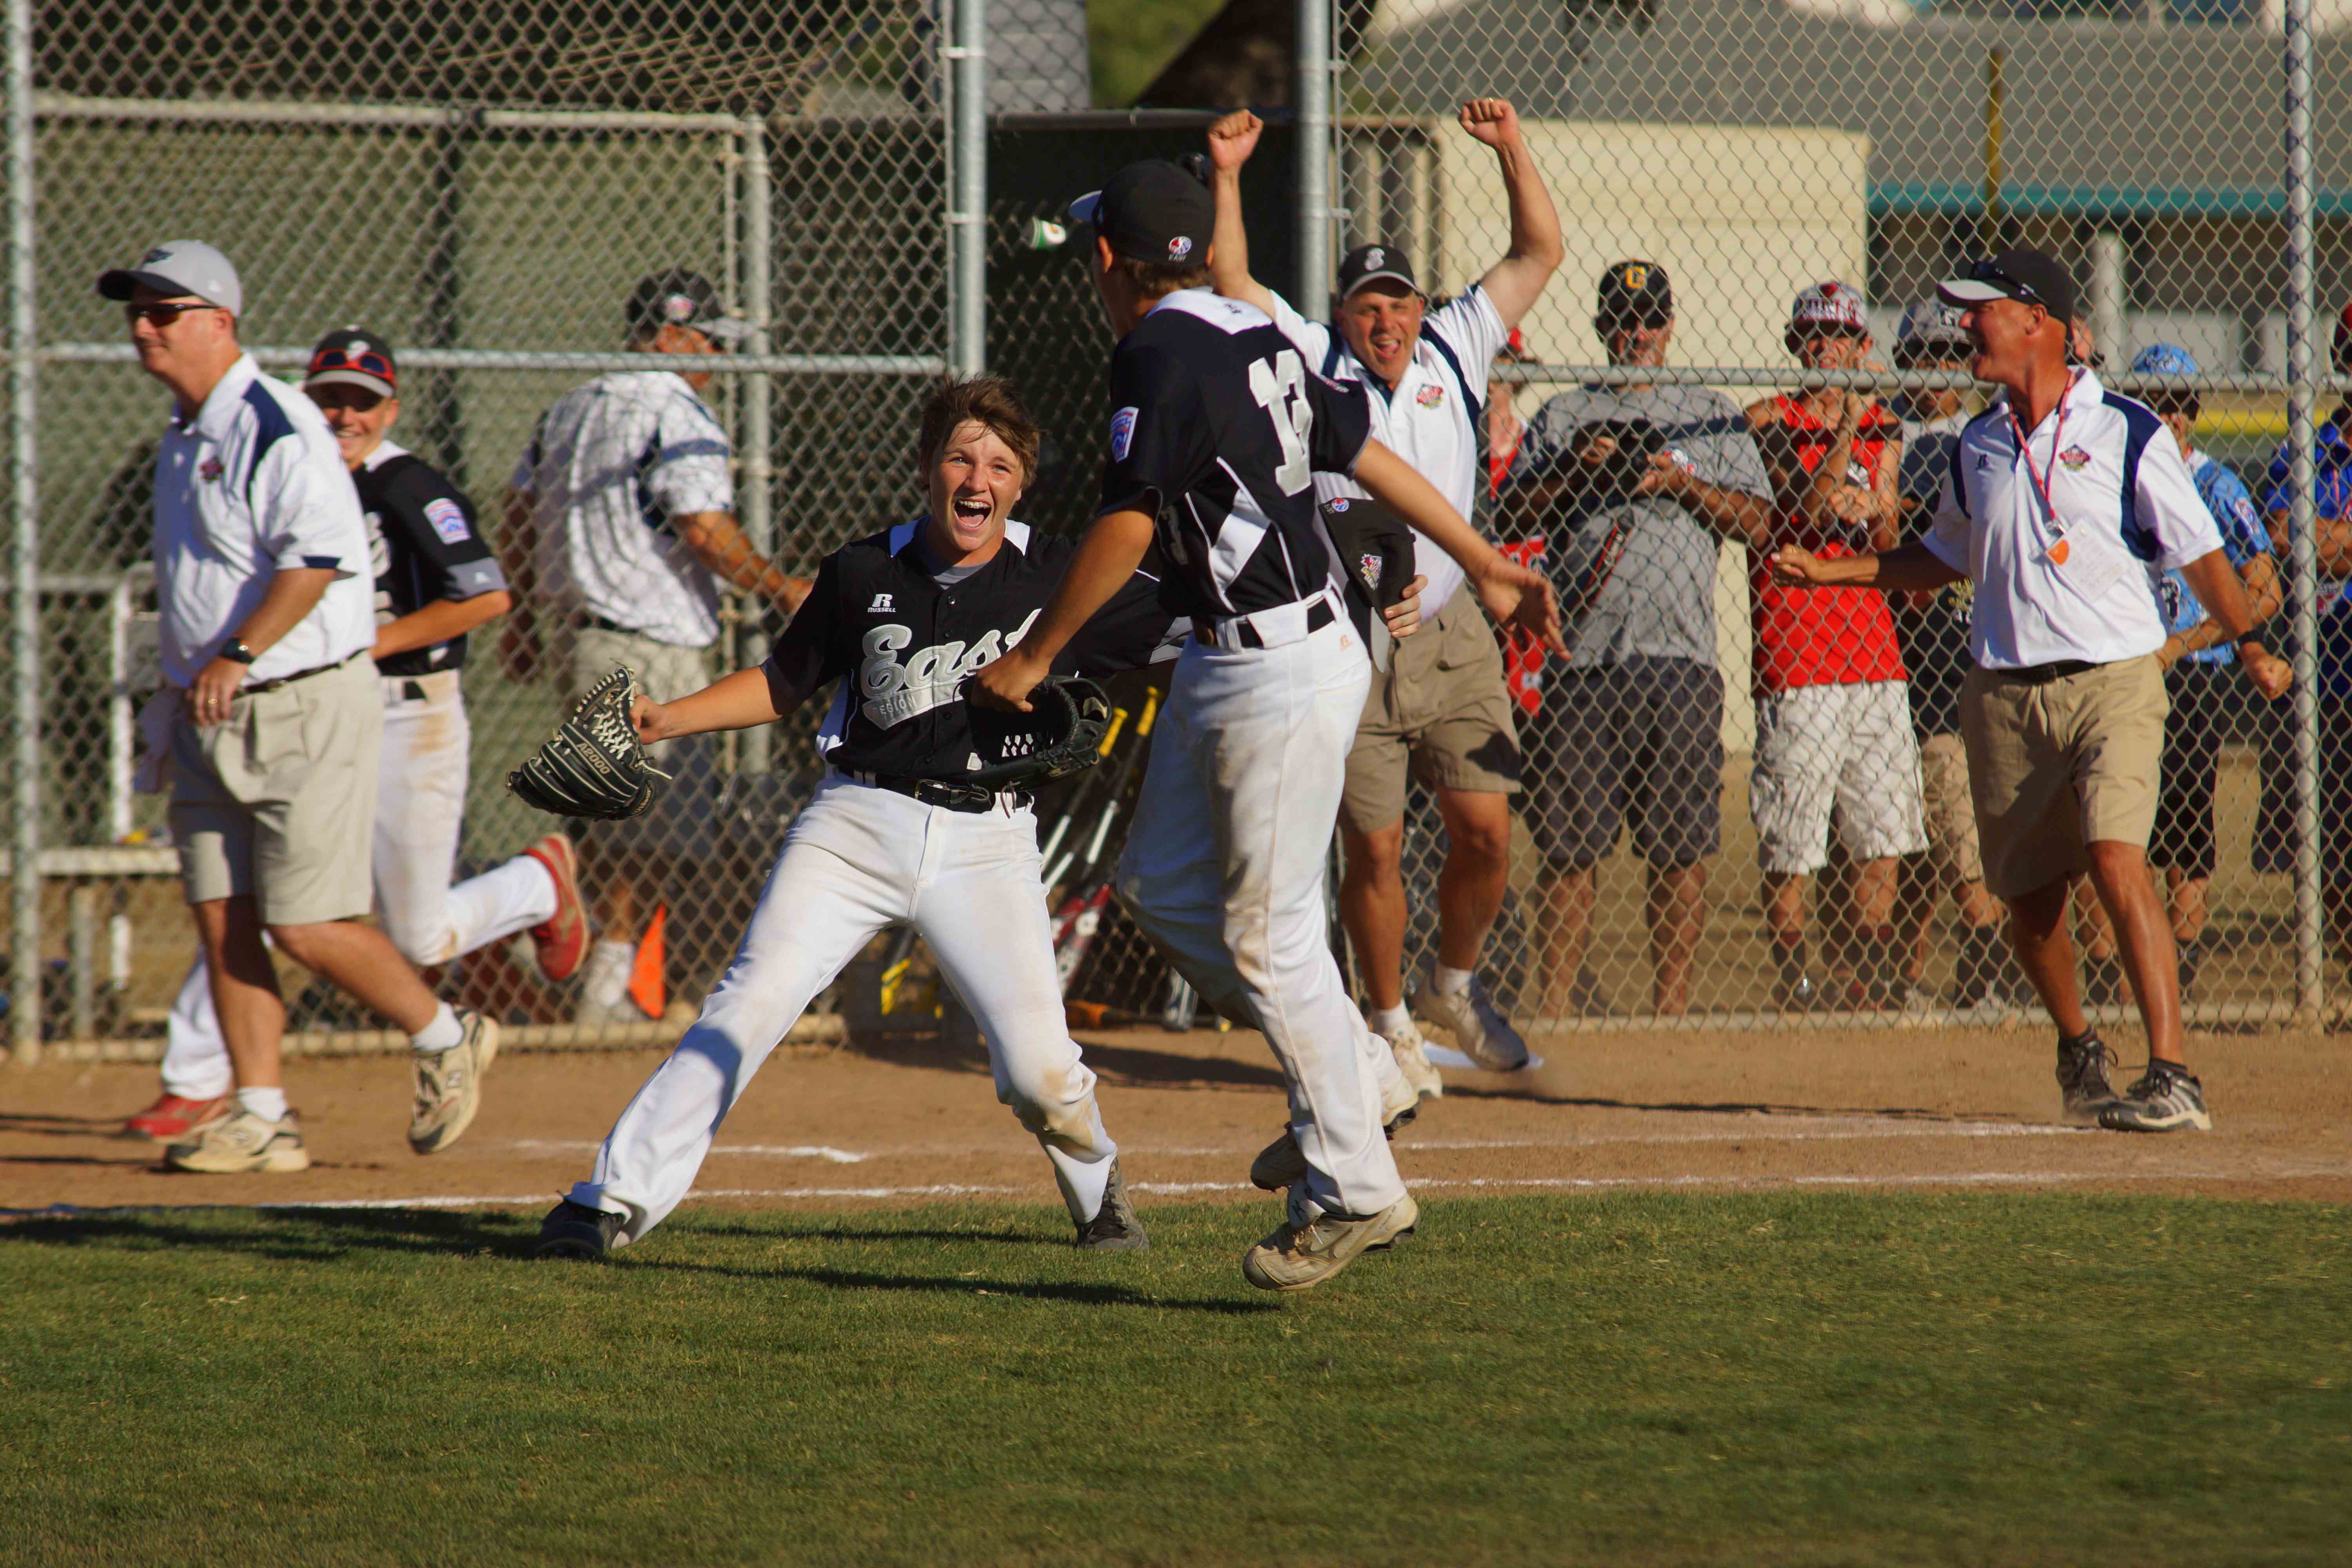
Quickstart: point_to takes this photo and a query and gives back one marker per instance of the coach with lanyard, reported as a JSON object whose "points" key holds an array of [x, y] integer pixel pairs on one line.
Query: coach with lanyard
{"points": [[621, 528], [1441, 708], [2062, 498]]}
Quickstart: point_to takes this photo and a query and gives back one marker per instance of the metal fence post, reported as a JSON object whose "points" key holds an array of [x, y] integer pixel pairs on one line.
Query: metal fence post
{"points": [[2304, 382], [25, 868], [967, 130], [757, 500], [1314, 122]]}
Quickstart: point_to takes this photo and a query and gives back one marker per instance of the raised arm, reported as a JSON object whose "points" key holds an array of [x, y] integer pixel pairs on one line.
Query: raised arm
{"points": [[1231, 141], [1514, 283]]}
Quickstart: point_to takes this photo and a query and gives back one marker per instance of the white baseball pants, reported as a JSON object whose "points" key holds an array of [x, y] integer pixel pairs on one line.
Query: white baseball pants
{"points": [[1223, 870], [859, 860], [420, 810]]}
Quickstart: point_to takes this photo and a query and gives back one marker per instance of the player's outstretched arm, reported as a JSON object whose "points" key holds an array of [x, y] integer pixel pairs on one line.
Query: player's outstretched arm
{"points": [[1113, 548], [439, 622], [1513, 594], [736, 701], [1908, 568], [1231, 141], [1537, 249], [718, 544]]}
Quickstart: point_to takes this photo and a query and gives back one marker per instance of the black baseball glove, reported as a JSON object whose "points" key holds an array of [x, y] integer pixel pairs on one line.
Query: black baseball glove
{"points": [[594, 765], [1063, 735]]}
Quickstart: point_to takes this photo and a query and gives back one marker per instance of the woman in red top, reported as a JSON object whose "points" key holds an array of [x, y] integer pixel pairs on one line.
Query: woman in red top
{"points": [[1834, 738]]}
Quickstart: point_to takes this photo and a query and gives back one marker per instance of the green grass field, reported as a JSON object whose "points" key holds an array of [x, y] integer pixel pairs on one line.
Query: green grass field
{"points": [[1794, 1378]]}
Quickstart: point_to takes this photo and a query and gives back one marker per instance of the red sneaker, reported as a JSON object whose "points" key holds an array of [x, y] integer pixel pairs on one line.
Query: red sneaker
{"points": [[173, 1116], [562, 941]]}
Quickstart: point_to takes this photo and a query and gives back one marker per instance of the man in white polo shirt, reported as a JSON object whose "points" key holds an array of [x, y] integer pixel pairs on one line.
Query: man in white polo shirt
{"points": [[269, 723], [1441, 710], [2063, 500], [620, 531]]}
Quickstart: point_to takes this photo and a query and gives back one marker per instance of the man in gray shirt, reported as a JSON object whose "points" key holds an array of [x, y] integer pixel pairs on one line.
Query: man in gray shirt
{"points": [[1631, 724]]}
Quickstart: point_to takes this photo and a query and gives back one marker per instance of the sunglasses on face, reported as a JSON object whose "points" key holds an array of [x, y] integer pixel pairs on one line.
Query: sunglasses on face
{"points": [[161, 313], [364, 361], [1986, 272]]}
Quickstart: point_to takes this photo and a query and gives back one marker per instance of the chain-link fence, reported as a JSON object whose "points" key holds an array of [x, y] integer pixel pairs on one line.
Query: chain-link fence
{"points": [[1738, 804]]}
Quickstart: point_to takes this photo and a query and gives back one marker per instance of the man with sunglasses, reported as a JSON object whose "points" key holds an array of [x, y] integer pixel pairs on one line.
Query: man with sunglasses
{"points": [[437, 581], [619, 533], [271, 724], [2061, 496]]}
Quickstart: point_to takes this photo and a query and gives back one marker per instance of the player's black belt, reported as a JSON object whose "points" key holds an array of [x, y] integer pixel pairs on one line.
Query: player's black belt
{"points": [[943, 793], [2044, 673], [1319, 614], [258, 686]]}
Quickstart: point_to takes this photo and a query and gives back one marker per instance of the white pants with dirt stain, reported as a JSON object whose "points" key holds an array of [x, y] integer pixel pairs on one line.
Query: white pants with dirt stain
{"points": [[1223, 870], [420, 810], [857, 861]]}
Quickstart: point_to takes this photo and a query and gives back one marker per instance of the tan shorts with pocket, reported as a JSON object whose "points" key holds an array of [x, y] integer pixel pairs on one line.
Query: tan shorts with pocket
{"points": [[279, 801], [1441, 713], [1951, 815], [2056, 766]]}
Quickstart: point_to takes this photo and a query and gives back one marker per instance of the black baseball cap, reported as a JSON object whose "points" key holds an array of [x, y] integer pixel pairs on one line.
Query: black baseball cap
{"points": [[1152, 211], [1370, 264], [352, 356], [678, 297], [1633, 293], [2029, 277]]}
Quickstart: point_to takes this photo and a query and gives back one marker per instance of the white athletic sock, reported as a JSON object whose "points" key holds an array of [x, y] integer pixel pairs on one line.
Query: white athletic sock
{"points": [[442, 1033], [1450, 982], [269, 1104], [1386, 1021], [607, 978]]}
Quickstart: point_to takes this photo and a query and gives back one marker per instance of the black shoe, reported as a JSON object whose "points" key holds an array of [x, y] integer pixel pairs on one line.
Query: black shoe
{"points": [[576, 1230], [1114, 1227], [2082, 1078], [2165, 1100], [1797, 994]]}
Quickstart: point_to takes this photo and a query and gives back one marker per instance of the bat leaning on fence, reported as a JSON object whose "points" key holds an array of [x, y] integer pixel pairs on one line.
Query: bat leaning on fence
{"points": [[1079, 916]]}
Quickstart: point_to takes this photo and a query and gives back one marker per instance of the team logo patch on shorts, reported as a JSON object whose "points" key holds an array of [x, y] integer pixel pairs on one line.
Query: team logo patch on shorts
{"points": [[1430, 396], [1122, 434], [448, 519], [2074, 458]]}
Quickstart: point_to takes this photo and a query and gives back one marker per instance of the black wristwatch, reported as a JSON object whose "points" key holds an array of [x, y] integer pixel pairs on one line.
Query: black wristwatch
{"points": [[235, 652], [2255, 637]]}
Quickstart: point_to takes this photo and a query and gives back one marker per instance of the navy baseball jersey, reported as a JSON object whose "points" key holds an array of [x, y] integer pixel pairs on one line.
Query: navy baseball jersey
{"points": [[425, 546]]}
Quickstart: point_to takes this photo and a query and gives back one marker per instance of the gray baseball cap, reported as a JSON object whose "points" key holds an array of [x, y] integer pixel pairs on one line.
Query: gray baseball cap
{"points": [[180, 267]]}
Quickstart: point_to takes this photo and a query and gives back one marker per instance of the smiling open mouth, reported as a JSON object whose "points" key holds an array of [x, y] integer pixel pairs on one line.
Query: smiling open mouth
{"points": [[971, 511]]}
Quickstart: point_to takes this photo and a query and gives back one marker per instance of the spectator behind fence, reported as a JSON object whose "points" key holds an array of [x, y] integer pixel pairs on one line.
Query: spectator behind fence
{"points": [[621, 527], [2195, 656], [269, 724], [1933, 629], [1834, 740], [1631, 724], [2275, 834], [2058, 498], [1439, 712]]}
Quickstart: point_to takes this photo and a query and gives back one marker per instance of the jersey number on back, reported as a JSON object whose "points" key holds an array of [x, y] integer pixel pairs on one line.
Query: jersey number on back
{"points": [[1279, 384]]}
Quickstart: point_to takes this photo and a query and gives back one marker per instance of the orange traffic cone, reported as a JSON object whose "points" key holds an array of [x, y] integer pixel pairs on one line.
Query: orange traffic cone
{"points": [[649, 988]]}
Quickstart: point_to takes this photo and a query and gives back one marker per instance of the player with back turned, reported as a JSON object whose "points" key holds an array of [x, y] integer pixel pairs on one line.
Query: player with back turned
{"points": [[1217, 431]]}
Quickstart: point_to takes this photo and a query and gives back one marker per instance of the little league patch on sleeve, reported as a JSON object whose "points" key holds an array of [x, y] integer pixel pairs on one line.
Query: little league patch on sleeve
{"points": [[1122, 434], [448, 519]]}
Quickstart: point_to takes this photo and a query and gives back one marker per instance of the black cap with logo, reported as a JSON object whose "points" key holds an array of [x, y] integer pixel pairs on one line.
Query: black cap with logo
{"points": [[680, 298], [1370, 264], [2029, 277], [352, 356], [1633, 293], [1152, 211]]}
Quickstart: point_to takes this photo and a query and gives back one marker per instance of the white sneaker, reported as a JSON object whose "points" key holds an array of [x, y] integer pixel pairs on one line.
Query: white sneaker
{"points": [[240, 1142], [1295, 1256], [449, 1084], [1479, 1029], [1413, 1061]]}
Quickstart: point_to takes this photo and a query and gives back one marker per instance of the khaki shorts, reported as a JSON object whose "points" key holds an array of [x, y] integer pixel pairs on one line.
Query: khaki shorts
{"points": [[2055, 767], [280, 802], [678, 826], [1441, 712], [1951, 815]]}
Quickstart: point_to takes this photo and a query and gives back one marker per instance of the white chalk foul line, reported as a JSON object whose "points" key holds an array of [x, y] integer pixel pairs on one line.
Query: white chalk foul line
{"points": [[769, 1151]]}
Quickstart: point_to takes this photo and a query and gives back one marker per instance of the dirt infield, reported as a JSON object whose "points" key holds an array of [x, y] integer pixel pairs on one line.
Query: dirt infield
{"points": [[835, 1127]]}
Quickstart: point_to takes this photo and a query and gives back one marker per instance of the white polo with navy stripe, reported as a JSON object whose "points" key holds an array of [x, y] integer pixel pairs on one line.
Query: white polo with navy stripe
{"points": [[251, 486], [1435, 418], [2119, 498]]}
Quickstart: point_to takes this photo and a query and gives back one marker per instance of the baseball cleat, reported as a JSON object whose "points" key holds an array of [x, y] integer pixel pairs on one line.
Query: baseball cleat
{"points": [[1114, 1227], [2082, 1078], [2165, 1100], [240, 1142], [1480, 1030], [1295, 1256], [562, 940], [449, 1084], [173, 1116], [1413, 1061], [577, 1231]]}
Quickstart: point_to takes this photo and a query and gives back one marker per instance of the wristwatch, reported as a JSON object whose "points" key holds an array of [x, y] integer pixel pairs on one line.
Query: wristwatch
{"points": [[2255, 637], [235, 652]]}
